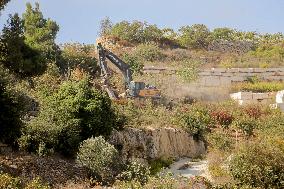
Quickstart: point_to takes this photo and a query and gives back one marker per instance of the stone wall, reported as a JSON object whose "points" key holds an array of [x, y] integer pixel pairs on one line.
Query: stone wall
{"points": [[153, 143], [216, 77], [244, 98], [223, 77]]}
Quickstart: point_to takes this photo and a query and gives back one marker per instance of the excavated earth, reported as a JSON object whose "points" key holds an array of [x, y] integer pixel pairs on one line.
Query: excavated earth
{"points": [[155, 143]]}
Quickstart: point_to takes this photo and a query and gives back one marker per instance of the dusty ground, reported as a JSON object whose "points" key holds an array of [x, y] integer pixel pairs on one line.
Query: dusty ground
{"points": [[54, 170]]}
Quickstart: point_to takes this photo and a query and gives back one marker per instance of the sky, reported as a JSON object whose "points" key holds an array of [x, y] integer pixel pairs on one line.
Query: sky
{"points": [[79, 20]]}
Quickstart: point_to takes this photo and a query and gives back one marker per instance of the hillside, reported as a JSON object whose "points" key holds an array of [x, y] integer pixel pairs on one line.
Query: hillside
{"points": [[59, 128]]}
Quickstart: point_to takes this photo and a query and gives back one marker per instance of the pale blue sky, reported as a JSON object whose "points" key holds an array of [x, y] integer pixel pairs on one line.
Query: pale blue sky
{"points": [[79, 19]]}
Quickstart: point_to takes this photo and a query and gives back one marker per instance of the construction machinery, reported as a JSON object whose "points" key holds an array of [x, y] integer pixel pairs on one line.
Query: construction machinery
{"points": [[133, 89]]}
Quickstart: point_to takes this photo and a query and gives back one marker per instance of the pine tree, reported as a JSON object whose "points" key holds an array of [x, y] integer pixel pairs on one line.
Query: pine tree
{"points": [[40, 33], [15, 54]]}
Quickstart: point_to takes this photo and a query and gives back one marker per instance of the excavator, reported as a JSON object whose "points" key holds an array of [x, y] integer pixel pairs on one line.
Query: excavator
{"points": [[133, 89]]}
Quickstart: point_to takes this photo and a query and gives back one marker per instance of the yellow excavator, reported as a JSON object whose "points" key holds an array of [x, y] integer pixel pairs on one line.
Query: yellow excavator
{"points": [[133, 89]]}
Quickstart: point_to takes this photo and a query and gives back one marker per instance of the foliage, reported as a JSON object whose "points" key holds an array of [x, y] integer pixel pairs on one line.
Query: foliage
{"points": [[135, 171], [40, 33], [36, 184], [10, 112], [166, 181], [148, 52], [158, 164], [78, 56], [195, 36], [196, 121], [74, 113], [15, 54], [222, 117], [9, 182], [136, 32], [134, 62], [189, 71], [246, 125], [253, 111], [259, 87], [99, 157], [226, 34], [259, 164], [220, 141]]}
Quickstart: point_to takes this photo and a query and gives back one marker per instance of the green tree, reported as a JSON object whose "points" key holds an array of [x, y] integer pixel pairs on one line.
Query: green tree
{"points": [[152, 34], [15, 54], [226, 34], [40, 33], [195, 36]]}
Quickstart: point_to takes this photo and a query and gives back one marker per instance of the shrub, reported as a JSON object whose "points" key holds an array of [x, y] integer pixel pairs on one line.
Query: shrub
{"points": [[36, 184], [148, 52], [189, 70], [259, 87], [195, 36], [253, 111], [220, 141], [99, 157], [135, 172], [80, 57], [222, 117], [158, 164], [9, 182], [196, 121], [246, 125], [259, 164], [10, 112], [74, 113], [134, 62]]}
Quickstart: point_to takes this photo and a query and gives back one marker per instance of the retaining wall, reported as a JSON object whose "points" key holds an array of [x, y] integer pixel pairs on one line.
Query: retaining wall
{"points": [[216, 77]]}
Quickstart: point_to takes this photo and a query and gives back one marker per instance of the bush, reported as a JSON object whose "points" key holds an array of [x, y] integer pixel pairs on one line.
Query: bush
{"points": [[222, 117], [135, 172], [8, 182], [72, 114], [220, 141], [196, 121], [259, 87], [36, 184], [134, 62], [253, 111], [189, 70], [99, 157], [10, 112], [246, 125], [80, 57], [148, 52], [259, 164], [158, 164]]}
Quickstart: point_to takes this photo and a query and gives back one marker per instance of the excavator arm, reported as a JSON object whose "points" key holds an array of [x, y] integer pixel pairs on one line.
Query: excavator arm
{"points": [[120, 64], [133, 89]]}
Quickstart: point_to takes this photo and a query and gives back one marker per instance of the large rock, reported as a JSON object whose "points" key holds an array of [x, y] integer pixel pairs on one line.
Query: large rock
{"points": [[153, 143]]}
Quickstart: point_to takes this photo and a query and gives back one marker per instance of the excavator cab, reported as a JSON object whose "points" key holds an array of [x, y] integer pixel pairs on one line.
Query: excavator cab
{"points": [[140, 89]]}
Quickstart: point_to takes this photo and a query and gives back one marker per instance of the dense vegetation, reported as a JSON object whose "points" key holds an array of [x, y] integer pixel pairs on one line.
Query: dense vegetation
{"points": [[52, 104]]}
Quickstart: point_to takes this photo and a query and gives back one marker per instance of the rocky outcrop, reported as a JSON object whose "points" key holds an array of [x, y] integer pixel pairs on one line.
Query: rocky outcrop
{"points": [[154, 143]]}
